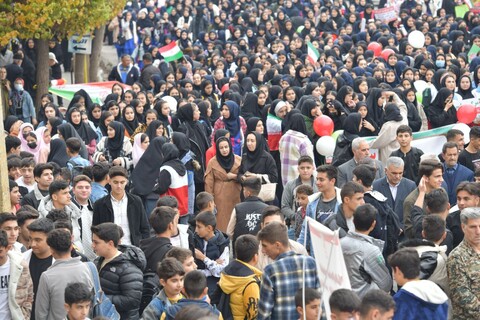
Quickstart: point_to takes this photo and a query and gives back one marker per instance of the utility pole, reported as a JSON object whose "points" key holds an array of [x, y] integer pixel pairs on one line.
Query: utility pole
{"points": [[4, 187]]}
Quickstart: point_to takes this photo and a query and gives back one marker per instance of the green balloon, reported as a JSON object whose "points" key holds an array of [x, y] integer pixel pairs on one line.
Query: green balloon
{"points": [[336, 134]]}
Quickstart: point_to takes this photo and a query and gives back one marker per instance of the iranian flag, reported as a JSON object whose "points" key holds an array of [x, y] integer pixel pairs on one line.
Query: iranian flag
{"points": [[171, 52], [313, 54]]}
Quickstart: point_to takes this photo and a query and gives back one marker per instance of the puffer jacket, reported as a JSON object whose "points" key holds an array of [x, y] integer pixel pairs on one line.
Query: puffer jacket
{"points": [[240, 281], [122, 280]]}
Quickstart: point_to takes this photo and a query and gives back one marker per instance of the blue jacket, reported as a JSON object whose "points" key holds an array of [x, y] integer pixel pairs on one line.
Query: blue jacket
{"points": [[171, 311], [452, 180], [311, 212], [26, 102], [421, 299]]}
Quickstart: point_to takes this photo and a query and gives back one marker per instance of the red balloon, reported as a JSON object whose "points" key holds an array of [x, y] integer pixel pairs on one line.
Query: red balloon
{"points": [[323, 126], [466, 113], [376, 48], [386, 53]]}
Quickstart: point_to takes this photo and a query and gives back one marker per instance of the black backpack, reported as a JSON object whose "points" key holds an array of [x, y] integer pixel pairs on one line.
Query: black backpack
{"points": [[222, 300], [151, 282]]}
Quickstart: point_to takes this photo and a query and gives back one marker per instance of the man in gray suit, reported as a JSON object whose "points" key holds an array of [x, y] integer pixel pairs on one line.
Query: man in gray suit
{"points": [[361, 155], [394, 186]]}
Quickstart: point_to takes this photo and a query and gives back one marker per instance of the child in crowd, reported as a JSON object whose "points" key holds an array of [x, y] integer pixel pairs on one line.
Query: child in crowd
{"points": [[196, 289], [211, 248], [313, 304], [205, 202], [184, 256], [27, 180], [73, 151], [78, 298], [344, 304], [170, 272], [302, 193]]}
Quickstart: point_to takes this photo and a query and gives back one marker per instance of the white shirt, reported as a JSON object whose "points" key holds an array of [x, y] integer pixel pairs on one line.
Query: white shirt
{"points": [[350, 224], [120, 217], [393, 189], [4, 279], [22, 183]]}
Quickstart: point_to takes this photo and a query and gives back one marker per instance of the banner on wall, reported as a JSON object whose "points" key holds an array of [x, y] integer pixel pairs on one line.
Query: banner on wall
{"points": [[331, 268]]}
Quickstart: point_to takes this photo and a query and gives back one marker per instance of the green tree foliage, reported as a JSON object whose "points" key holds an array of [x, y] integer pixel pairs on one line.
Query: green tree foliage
{"points": [[47, 19]]}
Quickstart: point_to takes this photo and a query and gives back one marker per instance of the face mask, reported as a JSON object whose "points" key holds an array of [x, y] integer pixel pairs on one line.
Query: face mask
{"points": [[32, 145], [440, 63], [18, 87], [25, 135]]}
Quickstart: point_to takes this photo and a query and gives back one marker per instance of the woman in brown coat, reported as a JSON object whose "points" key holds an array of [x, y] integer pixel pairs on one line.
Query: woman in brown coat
{"points": [[221, 181]]}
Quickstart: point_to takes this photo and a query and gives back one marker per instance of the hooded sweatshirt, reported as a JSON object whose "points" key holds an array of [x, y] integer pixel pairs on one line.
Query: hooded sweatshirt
{"points": [[240, 281], [46, 205], [421, 299]]}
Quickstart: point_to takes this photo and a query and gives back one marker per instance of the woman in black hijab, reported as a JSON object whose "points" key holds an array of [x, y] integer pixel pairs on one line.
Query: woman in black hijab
{"points": [[153, 129], [173, 170], [86, 132], [250, 107], [58, 152], [145, 174], [375, 103], [343, 149], [129, 120], [221, 181], [115, 148], [189, 115], [441, 111], [256, 161], [106, 115], [465, 88], [67, 131]]}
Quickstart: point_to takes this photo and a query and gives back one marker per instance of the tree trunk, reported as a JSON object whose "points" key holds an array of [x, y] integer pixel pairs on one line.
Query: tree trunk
{"points": [[95, 57], [4, 187], [43, 71], [81, 68]]}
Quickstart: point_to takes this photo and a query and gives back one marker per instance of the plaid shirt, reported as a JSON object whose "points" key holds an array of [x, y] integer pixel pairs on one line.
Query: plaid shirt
{"points": [[292, 146], [281, 281]]}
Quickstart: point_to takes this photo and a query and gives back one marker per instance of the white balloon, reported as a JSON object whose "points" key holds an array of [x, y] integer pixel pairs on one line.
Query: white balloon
{"points": [[172, 103], [416, 39], [420, 85], [465, 129], [326, 146]]}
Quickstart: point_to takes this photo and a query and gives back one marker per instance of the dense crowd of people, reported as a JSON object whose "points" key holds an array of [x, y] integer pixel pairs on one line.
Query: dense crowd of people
{"points": [[186, 192]]}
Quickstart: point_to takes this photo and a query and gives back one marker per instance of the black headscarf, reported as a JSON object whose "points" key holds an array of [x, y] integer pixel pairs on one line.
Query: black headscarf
{"points": [[115, 145], [250, 107], [68, 131], [392, 113], [465, 94], [228, 161], [170, 158], [374, 111], [130, 126], [351, 125], [250, 158], [145, 173], [182, 143], [58, 152], [84, 129], [152, 129], [252, 124], [101, 123], [55, 122], [296, 122]]}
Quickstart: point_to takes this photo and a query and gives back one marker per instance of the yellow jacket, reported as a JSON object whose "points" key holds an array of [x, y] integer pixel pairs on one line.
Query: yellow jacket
{"points": [[240, 280]]}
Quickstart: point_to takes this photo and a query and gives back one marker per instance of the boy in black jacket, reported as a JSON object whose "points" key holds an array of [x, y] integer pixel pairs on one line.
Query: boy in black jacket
{"points": [[211, 248]]}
